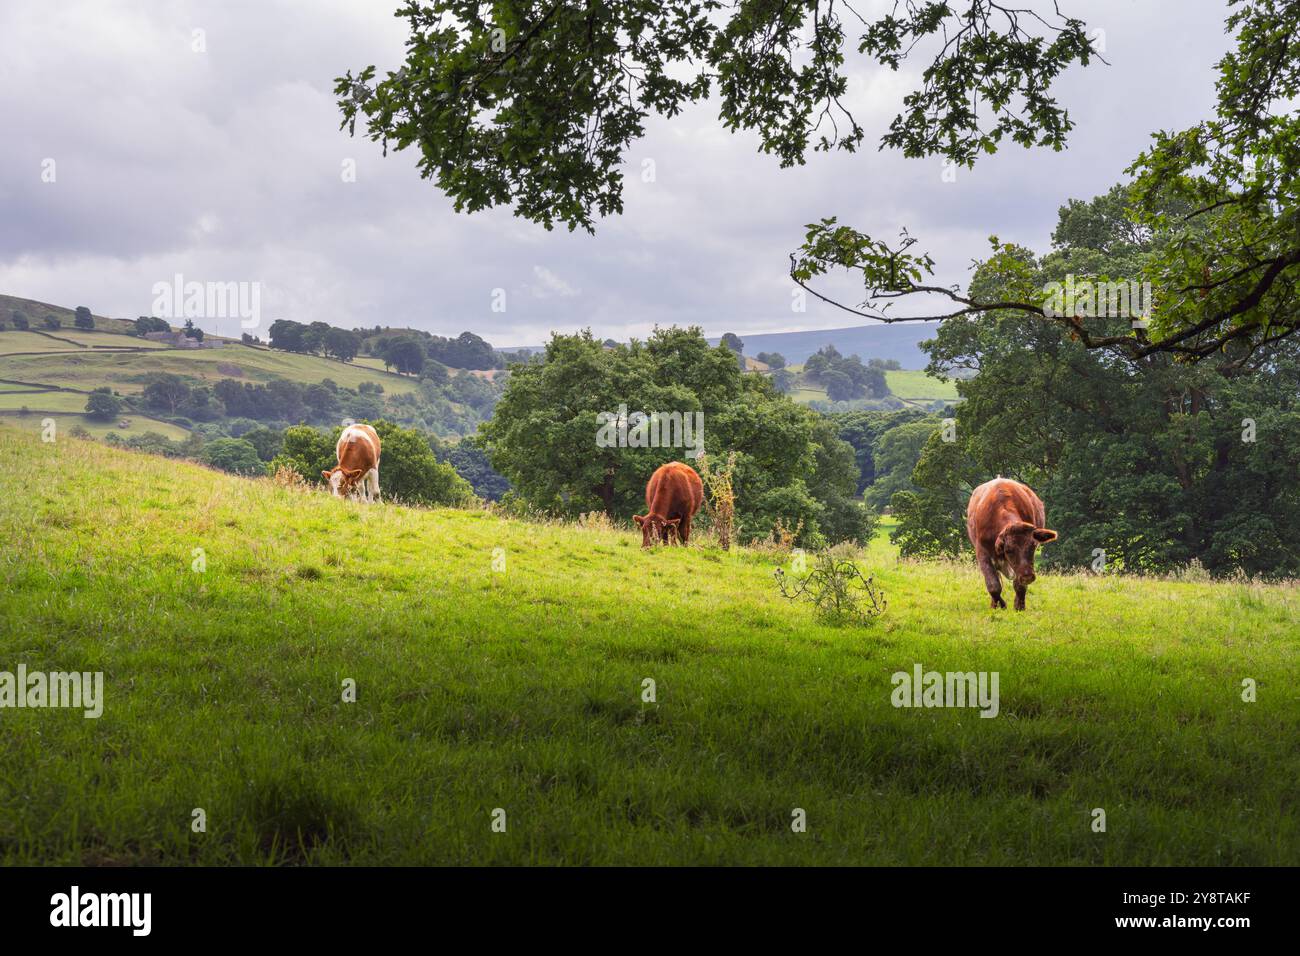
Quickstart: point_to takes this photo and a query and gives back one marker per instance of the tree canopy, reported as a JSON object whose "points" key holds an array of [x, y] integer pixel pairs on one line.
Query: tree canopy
{"points": [[1213, 207], [1147, 463], [534, 103], [544, 434]]}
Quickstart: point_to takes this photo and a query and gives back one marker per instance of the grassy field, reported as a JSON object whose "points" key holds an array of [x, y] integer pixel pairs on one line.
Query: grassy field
{"points": [[14, 341], [96, 339], [37, 311], [67, 421], [49, 401], [909, 385], [916, 385], [128, 372], [67, 408], [521, 689]]}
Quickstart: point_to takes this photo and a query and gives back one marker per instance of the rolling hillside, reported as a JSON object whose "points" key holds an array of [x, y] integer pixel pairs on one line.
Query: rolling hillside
{"points": [[46, 373], [36, 312], [520, 686], [127, 372]]}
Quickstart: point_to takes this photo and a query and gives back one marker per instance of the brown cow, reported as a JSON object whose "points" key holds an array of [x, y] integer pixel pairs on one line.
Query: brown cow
{"points": [[672, 496], [358, 454], [1005, 523]]}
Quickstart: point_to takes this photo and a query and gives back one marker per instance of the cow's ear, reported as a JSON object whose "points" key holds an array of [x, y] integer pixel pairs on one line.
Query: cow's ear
{"points": [[1044, 535], [639, 519], [673, 522], [326, 475]]}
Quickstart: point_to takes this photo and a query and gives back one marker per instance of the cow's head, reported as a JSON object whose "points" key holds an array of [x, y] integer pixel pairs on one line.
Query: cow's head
{"points": [[342, 480], [1014, 550], [656, 528]]}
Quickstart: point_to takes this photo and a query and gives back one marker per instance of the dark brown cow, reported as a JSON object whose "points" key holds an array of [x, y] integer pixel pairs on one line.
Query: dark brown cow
{"points": [[672, 496], [1005, 523]]}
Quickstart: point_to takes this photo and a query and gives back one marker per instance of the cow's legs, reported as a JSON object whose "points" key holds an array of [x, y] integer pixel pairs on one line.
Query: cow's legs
{"points": [[373, 478], [684, 530], [1020, 596], [993, 582]]}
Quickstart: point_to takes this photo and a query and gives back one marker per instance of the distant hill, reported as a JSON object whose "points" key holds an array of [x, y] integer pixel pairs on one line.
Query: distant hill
{"points": [[47, 373], [36, 312], [900, 342]]}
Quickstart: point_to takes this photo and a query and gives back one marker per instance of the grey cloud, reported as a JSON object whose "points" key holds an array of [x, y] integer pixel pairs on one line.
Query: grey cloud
{"points": [[227, 165]]}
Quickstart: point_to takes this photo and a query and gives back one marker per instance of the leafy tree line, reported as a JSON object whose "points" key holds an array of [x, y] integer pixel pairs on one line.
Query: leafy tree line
{"points": [[846, 378], [406, 350], [442, 404], [415, 468], [316, 338], [412, 350], [790, 467]]}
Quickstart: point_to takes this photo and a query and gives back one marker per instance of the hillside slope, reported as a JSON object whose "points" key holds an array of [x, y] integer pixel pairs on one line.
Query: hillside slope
{"points": [[36, 311], [521, 689], [129, 371]]}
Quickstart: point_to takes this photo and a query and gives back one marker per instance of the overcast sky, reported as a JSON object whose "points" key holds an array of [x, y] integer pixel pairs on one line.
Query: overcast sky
{"points": [[225, 165]]}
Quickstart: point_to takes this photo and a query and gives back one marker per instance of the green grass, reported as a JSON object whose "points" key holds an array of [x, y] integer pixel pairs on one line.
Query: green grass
{"points": [[128, 372], [916, 385], [43, 401], [16, 340], [67, 421], [908, 385], [37, 311], [521, 690], [805, 393], [105, 340]]}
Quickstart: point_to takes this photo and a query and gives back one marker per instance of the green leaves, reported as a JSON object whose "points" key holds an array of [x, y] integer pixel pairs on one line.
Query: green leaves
{"points": [[544, 434], [990, 59], [534, 103]]}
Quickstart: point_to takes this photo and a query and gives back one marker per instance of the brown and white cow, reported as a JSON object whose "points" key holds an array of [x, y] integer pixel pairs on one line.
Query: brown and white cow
{"points": [[358, 468], [1005, 522], [672, 496]]}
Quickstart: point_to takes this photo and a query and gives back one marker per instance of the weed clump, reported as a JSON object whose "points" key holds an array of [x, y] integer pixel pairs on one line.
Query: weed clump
{"points": [[838, 590]]}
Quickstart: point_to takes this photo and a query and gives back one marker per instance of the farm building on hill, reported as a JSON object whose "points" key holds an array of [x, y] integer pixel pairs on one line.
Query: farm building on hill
{"points": [[179, 340]]}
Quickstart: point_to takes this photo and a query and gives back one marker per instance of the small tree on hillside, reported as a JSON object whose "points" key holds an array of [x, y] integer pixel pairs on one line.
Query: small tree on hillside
{"points": [[83, 319], [167, 392], [733, 342], [52, 322], [403, 352], [234, 455], [341, 344], [103, 405]]}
